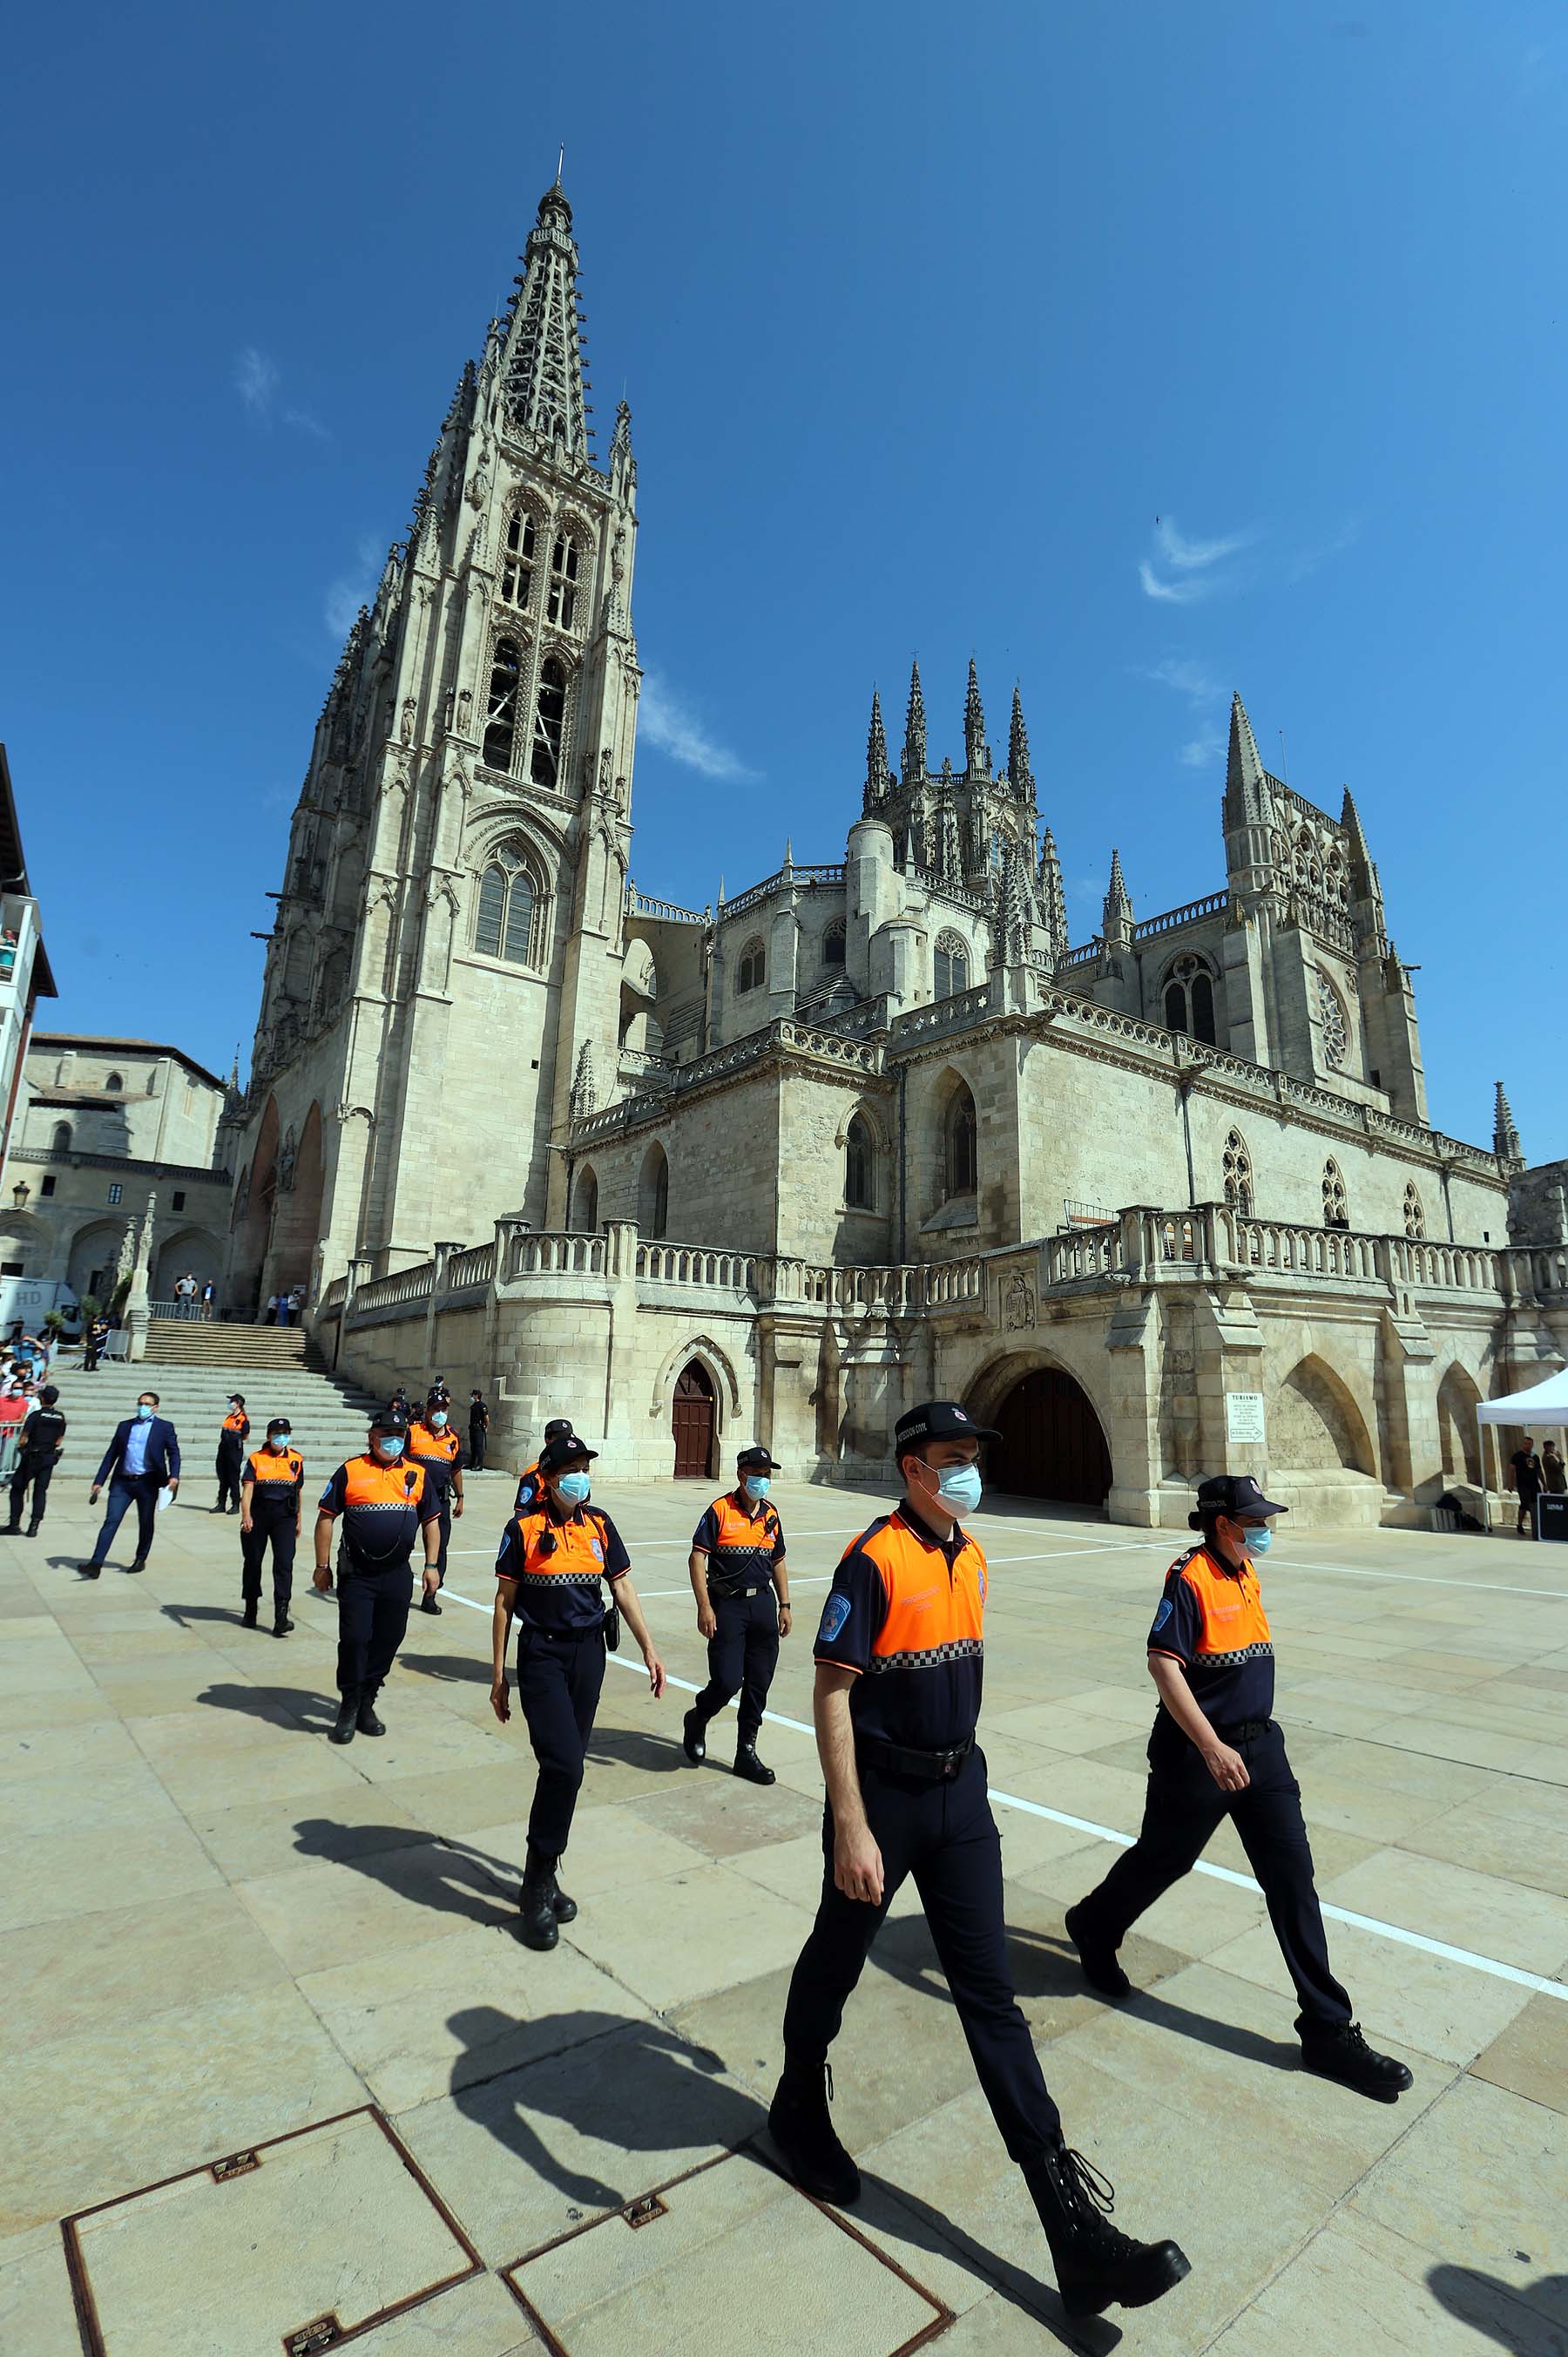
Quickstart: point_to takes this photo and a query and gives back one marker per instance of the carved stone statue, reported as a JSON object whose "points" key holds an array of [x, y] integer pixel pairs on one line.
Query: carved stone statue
{"points": [[584, 1095], [287, 1153]]}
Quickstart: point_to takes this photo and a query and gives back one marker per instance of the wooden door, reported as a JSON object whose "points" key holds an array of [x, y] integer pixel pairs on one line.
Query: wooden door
{"points": [[692, 1420], [1051, 1444]]}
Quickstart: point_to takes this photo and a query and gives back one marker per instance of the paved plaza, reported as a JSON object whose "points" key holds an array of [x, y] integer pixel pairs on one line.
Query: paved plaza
{"points": [[218, 1932]]}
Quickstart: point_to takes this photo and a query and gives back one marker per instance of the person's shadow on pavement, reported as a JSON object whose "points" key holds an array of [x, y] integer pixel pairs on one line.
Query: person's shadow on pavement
{"points": [[1527, 2320], [428, 1870]]}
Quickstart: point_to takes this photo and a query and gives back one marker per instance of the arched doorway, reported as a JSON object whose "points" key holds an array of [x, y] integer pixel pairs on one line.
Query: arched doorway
{"points": [[1051, 1445], [693, 1417]]}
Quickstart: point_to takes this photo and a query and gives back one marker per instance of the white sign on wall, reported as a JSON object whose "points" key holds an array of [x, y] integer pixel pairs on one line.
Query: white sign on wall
{"points": [[1244, 1418]]}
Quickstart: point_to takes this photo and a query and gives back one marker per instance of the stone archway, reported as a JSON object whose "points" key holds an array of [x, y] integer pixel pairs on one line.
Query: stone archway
{"points": [[1458, 1397], [94, 1263], [1053, 1444], [693, 1422], [254, 1202], [297, 1222], [1314, 1424]]}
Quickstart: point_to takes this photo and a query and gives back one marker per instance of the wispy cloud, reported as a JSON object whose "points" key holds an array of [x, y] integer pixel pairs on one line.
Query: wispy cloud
{"points": [[1199, 751], [1307, 560], [257, 381], [665, 720], [1203, 695], [1192, 569], [352, 589], [1187, 678]]}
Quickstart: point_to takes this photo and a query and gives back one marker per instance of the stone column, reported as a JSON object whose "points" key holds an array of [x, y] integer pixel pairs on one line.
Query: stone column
{"points": [[444, 1253], [138, 1313]]}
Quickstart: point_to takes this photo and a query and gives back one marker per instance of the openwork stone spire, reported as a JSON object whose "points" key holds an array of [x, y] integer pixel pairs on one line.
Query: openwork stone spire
{"points": [[1506, 1142], [1118, 901], [1053, 895], [544, 383], [876, 756], [976, 752], [915, 733], [1020, 776]]}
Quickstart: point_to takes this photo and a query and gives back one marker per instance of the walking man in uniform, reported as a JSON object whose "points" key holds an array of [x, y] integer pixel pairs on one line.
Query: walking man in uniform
{"points": [[1215, 1752], [529, 1488], [900, 1657], [1527, 1480], [385, 1506], [737, 1568], [271, 1492], [142, 1459], [433, 1444], [232, 1439], [554, 1559], [479, 1431], [43, 1438]]}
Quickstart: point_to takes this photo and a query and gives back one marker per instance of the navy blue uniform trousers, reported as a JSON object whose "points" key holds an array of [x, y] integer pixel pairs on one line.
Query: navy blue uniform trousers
{"points": [[1182, 1812], [372, 1617], [743, 1653], [945, 1836], [231, 1465], [126, 1491], [277, 1530], [559, 1674]]}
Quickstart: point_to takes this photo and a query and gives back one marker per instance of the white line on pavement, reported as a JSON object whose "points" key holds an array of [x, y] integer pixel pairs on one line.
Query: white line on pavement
{"points": [[1396, 1931]]}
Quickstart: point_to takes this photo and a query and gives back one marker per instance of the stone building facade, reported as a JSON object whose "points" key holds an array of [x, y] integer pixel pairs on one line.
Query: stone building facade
{"points": [[1159, 1202]]}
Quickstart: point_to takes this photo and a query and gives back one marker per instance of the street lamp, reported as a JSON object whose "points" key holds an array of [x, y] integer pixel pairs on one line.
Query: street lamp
{"points": [[19, 1194]]}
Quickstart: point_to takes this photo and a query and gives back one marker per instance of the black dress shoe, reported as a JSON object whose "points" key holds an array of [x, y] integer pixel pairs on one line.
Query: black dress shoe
{"points": [[691, 1738], [367, 1722], [90, 1570], [248, 1617], [1336, 2050], [348, 1718], [11, 1530], [1098, 1959], [140, 1564], [1097, 2266], [282, 1626], [536, 1919], [748, 1765]]}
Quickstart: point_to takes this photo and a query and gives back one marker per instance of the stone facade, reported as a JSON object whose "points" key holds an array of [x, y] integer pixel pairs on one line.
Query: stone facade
{"points": [[1139, 1198]]}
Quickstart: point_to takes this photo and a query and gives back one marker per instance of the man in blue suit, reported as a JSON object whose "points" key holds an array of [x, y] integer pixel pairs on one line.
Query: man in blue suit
{"points": [[141, 1460]]}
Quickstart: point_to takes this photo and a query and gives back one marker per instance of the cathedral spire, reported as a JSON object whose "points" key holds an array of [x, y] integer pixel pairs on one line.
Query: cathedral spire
{"points": [[1020, 776], [976, 752], [1244, 769], [915, 735], [544, 381], [1053, 895], [1118, 902], [1506, 1142], [876, 756]]}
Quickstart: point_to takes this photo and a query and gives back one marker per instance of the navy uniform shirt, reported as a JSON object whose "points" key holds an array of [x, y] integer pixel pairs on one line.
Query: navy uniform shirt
{"points": [[1212, 1621], [555, 1570], [905, 1613], [382, 1507], [742, 1542]]}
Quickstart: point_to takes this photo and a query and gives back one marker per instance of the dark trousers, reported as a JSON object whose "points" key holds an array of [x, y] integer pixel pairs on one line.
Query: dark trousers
{"points": [[558, 1682], [90, 1358], [372, 1616], [478, 1441], [126, 1490], [278, 1532], [945, 1836], [1525, 1519], [743, 1653], [231, 1465], [39, 1471], [1182, 1810]]}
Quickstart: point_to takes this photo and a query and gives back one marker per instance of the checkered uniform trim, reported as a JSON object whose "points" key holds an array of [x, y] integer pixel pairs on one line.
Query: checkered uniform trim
{"points": [[1231, 1661], [931, 1657], [557, 1578], [360, 1507]]}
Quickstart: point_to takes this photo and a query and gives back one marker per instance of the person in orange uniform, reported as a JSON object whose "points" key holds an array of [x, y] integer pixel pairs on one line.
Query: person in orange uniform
{"points": [[385, 1505], [231, 1441], [433, 1444], [271, 1488], [550, 1573], [737, 1568], [899, 1660], [1216, 1751], [529, 1488]]}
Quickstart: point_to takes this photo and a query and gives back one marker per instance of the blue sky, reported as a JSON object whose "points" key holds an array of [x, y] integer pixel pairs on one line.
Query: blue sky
{"points": [[926, 316]]}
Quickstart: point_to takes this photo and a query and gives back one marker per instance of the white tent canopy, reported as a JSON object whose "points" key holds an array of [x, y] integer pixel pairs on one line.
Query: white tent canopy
{"points": [[1544, 1403]]}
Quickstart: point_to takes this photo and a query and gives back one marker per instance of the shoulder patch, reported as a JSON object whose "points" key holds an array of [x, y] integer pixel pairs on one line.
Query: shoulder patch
{"points": [[1163, 1614], [835, 1612]]}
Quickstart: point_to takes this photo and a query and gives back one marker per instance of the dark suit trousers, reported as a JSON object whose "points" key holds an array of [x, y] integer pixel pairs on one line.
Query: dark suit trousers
{"points": [[39, 1472], [372, 1617], [126, 1490]]}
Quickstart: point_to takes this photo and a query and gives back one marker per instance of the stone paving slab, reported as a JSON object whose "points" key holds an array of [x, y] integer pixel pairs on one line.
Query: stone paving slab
{"points": [[216, 1929]]}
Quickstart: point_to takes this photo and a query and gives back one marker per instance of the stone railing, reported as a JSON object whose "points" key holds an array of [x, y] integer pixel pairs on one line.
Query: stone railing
{"points": [[666, 912], [725, 1272], [955, 1014], [70, 1159], [1286, 1248], [334, 1297], [1087, 955], [475, 1266], [391, 1292], [640, 1065], [1213, 904], [550, 1252], [1083, 1253], [782, 880], [942, 888]]}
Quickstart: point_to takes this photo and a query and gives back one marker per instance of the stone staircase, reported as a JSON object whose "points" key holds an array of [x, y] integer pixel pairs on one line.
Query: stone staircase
{"points": [[187, 1342], [328, 1415]]}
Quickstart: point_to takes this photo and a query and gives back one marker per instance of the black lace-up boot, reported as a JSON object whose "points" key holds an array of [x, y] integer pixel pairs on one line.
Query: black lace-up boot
{"points": [[803, 2132], [537, 1922], [753, 1770], [367, 1722], [1097, 1957], [347, 1715], [1336, 2050], [1097, 2266]]}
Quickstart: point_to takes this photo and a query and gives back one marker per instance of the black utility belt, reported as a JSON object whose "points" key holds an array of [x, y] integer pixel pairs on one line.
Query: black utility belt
{"points": [[1241, 1728], [562, 1636], [929, 1767], [722, 1586]]}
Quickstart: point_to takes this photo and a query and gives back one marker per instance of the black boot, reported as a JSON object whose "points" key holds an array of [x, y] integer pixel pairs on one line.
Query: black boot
{"points": [[249, 1612], [367, 1722], [348, 1715], [798, 2122], [1097, 1957], [12, 1531], [140, 1564], [90, 1570], [536, 1919], [748, 1765], [428, 1604], [1097, 2266], [1336, 2050], [282, 1625], [31, 1532], [691, 1742]]}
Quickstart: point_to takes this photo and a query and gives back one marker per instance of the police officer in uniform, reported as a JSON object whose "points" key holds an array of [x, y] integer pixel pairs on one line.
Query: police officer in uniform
{"points": [[550, 1573], [478, 1430], [385, 1506], [737, 1567], [433, 1444], [529, 1488], [1216, 1751], [272, 1487], [899, 1657], [43, 1438], [231, 1442]]}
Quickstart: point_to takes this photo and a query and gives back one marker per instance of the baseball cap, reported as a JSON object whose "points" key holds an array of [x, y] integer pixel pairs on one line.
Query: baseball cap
{"points": [[389, 1418], [560, 1451], [756, 1461], [939, 1420], [1236, 1495], [558, 1427]]}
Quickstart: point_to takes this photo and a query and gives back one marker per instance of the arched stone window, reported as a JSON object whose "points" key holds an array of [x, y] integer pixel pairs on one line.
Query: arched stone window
{"points": [[961, 1145], [61, 1143], [517, 558], [1336, 1208], [859, 1166], [653, 1194], [501, 705], [1237, 1170], [562, 608], [949, 966], [752, 971], [549, 722], [833, 943], [1414, 1216], [584, 1213], [115, 1080], [509, 910], [1189, 999], [1334, 1024]]}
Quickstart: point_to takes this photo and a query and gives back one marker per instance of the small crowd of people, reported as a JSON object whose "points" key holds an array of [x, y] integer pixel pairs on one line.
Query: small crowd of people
{"points": [[283, 1309], [193, 1299], [1531, 1476]]}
